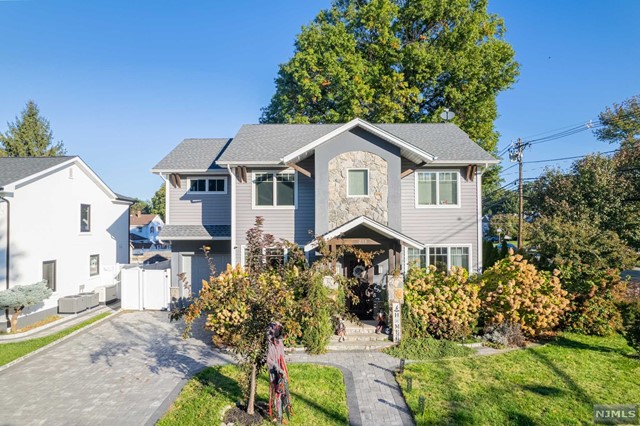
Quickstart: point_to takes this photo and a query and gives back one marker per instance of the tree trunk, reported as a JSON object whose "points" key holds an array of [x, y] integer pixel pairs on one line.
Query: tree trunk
{"points": [[14, 320], [252, 391]]}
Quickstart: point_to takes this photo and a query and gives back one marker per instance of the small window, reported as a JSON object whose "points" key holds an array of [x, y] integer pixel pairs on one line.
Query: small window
{"points": [[358, 183], [275, 257], [94, 264], [417, 258], [151, 230], [437, 188], [438, 256], [213, 185], [85, 218], [460, 257], [49, 274], [274, 189]]}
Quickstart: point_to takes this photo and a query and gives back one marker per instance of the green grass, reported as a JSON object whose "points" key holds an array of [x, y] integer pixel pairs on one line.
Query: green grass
{"points": [[317, 393], [556, 384], [428, 349], [12, 351]]}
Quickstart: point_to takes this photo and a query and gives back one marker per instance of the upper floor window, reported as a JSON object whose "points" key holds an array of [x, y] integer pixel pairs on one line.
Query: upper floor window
{"points": [[358, 183], [274, 189], [152, 229], [85, 218], [437, 188], [216, 185]]}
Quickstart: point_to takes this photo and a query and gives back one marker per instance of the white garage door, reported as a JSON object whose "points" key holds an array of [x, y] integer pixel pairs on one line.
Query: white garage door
{"points": [[197, 269]]}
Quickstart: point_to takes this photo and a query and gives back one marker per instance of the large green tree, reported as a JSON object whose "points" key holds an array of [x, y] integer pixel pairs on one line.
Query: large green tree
{"points": [[157, 204], [30, 136], [398, 61]]}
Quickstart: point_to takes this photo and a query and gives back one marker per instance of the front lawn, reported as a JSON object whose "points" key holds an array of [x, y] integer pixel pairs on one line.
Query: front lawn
{"points": [[317, 393], [13, 351], [428, 349], [556, 384]]}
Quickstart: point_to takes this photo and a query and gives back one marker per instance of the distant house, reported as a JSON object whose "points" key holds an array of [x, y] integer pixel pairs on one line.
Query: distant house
{"points": [[144, 230], [59, 222]]}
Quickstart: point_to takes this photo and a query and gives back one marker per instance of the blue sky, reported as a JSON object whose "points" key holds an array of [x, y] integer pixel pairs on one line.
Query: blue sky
{"points": [[123, 82]]}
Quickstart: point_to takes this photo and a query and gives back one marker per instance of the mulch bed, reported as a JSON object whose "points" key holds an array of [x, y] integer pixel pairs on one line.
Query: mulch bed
{"points": [[238, 416]]}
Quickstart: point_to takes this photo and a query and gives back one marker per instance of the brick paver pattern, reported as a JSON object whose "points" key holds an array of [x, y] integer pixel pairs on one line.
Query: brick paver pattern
{"points": [[124, 369]]}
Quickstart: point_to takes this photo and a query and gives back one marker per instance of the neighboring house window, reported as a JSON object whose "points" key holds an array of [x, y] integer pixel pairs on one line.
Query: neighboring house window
{"points": [[85, 218], [358, 183], [151, 229], [437, 188], [159, 229], [212, 185], [49, 273], [139, 228], [94, 264], [443, 258], [274, 189]]}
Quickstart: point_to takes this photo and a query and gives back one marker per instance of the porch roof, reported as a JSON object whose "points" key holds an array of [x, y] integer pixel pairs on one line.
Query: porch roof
{"points": [[195, 232], [371, 224]]}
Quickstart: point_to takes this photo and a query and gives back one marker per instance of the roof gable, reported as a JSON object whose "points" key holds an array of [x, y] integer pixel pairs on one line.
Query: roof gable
{"points": [[15, 169], [193, 155]]}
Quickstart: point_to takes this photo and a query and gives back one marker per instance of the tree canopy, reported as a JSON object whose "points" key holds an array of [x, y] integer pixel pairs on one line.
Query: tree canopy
{"points": [[398, 61], [157, 203], [30, 136]]}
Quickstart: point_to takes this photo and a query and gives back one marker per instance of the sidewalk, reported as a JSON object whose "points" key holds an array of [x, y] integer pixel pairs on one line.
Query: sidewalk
{"points": [[59, 325]]}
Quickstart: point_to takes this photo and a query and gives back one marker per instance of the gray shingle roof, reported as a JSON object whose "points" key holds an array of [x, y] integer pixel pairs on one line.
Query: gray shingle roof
{"points": [[271, 142], [13, 169], [193, 154], [187, 232]]}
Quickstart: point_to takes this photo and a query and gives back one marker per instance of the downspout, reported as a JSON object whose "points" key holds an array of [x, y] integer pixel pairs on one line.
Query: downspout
{"points": [[8, 253]]}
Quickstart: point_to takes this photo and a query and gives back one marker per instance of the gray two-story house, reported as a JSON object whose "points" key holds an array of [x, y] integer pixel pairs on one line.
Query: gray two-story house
{"points": [[410, 191]]}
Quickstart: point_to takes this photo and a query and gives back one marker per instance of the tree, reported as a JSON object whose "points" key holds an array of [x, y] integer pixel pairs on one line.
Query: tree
{"points": [[397, 61], [139, 206], [158, 202], [20, 297], [30, 136], [621, 123]]}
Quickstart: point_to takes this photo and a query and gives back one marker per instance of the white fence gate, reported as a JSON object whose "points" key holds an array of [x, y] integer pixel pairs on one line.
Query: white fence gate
{"points": [[145, 288]]}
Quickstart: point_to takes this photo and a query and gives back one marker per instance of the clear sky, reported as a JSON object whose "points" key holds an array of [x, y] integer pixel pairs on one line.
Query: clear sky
{"points": [[123, 82]]}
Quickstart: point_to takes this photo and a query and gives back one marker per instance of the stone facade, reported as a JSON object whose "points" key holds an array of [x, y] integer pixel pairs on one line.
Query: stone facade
{"points": [[343, 208]]}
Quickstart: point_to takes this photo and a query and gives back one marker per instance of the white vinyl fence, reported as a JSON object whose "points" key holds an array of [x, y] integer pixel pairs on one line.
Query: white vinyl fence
{"points": [[145, 288]]}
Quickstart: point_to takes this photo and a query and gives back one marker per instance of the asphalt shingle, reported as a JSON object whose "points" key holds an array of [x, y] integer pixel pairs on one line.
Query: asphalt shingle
{"points": [[178, 232], [13, 169], [194, 154]]}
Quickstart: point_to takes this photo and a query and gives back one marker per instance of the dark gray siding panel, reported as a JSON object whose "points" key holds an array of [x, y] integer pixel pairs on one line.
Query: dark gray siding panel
{"points": [[193, 209], [442, 225], [288, 224]]}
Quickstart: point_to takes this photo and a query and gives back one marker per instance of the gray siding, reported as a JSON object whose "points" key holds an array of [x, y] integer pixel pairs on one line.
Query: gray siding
{"points": [[456, 225], [193, 209], [287, 224]]}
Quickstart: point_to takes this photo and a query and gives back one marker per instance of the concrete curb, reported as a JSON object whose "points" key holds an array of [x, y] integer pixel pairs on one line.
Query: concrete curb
{"points": [[60, 340]]}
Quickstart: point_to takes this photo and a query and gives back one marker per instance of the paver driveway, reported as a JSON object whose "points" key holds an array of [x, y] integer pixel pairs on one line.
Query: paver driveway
{"points": [[119, 372]]}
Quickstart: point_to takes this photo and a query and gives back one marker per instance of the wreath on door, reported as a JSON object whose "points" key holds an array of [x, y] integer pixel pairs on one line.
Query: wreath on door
{"points": [[359, 271]]}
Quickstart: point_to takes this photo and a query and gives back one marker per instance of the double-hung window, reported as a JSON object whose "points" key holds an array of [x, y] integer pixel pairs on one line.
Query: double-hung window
{"points": [[437, 188], [442, 257], [217, 185], [274, 189]]}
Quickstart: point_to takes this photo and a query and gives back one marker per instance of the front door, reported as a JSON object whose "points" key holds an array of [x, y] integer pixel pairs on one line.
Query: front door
{"points": [[363, 290]]}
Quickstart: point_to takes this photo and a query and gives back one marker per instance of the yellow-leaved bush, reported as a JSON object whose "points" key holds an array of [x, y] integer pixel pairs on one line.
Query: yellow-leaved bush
{"points": [[442, 305], [515, 291]]}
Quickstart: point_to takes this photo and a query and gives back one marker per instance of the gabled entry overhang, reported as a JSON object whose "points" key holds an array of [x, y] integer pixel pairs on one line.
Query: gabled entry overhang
{"points": [[377, 227], [407, 150]]}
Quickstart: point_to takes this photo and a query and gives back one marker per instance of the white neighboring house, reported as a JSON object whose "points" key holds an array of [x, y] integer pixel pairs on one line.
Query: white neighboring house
{"points": [[146, 226], [60, 222]]}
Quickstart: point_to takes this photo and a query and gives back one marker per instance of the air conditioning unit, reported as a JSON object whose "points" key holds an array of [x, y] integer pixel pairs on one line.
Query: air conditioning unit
{"points": [[107, 293]]}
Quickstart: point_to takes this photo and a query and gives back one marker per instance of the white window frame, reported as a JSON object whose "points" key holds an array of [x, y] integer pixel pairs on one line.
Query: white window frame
{"points": [[368, 194], [275, 193], [449, 247], [437, 205], [243, 254], [206, 185]]}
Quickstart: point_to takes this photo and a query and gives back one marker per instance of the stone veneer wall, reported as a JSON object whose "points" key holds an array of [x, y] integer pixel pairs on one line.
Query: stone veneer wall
{"points": [[342, 208]]}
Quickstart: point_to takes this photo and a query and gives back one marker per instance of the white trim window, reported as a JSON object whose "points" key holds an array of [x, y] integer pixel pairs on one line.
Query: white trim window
{"points": [[275, 189], [438, 188], [357, 182], [273, 256], [442, 257], [216, 185]]}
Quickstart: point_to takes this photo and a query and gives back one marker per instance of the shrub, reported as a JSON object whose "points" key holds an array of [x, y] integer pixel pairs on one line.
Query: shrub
{"points": [[515, 291], [505, 334], [20, 297], [631, 318], [428, 348], [441, 305], [316, 322]]}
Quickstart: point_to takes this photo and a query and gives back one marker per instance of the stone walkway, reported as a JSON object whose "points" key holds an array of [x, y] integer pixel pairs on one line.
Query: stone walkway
{"points": [[124, 371], [373, 396]]}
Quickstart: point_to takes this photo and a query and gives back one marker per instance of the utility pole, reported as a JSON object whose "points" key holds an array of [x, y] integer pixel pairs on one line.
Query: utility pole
{"points": [[515, 154]]}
